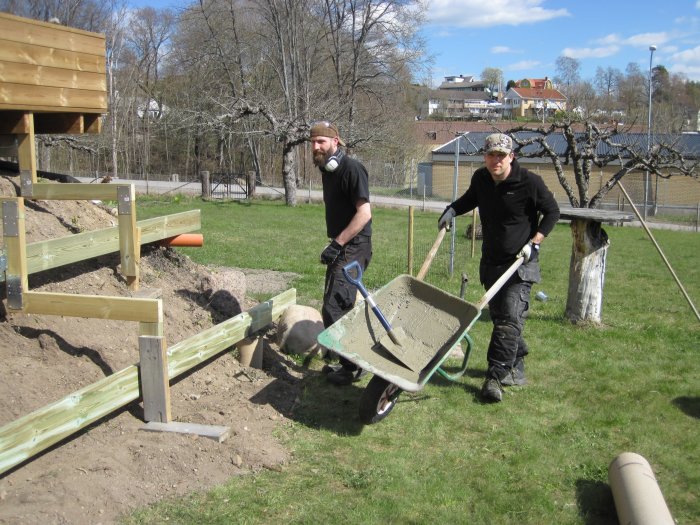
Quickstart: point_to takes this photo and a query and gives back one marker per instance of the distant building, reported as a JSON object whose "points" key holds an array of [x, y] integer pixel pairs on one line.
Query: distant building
{"points": [[534, 98], [464, 98]]}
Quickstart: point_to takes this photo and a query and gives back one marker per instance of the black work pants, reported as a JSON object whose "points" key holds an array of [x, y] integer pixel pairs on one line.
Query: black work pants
{"points": [[339, 294], [508, 309]]}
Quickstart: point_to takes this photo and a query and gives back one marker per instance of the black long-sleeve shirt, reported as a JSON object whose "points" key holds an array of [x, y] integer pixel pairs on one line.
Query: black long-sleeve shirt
{"points": [[509, 211]]}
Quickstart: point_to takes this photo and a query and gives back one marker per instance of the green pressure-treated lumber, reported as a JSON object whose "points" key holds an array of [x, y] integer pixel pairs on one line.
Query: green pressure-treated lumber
{"points": [[27, 436], [53, 253]]}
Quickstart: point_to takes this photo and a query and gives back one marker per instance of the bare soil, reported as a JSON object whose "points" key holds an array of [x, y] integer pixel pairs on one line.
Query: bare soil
{"points": [[114, 466]]}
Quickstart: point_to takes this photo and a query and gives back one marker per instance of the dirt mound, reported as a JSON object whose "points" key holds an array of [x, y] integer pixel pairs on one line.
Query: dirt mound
{"points": [[113, 466]]}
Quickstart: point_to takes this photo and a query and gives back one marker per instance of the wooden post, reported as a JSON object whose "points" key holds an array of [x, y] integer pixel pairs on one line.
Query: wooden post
{"points": [[410, 240], [250, 175], [473, 232], [16, 275], [129, 247], [26, 154], [206, 186], [155, 386]]}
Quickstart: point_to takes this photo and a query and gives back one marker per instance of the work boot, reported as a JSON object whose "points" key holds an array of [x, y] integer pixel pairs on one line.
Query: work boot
{"points": [[516, 375], [492, 390], [345, 376]]}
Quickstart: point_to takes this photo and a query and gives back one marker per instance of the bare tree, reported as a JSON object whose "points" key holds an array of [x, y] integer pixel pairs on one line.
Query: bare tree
{"points": [[374, 45], [91, 15], [493, 78], [592, 148], [568, 71]]}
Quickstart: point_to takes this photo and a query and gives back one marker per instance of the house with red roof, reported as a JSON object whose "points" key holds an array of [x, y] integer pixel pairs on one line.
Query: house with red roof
{"points": [[534, 98]]}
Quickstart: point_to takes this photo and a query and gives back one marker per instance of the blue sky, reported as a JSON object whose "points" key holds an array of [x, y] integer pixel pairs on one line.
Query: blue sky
{"points": [[523, 38]]}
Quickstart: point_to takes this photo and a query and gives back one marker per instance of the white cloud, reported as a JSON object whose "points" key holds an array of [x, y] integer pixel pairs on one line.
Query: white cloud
{"points": [[647, 39], [590, 52], [689, 56], [612, 38], [480, 13], [500, 50], [686, 62], [523, 65]]}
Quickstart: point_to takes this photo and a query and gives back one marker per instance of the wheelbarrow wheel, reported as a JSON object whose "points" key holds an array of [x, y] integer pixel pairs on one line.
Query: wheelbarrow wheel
{"points": [[378, 400]]}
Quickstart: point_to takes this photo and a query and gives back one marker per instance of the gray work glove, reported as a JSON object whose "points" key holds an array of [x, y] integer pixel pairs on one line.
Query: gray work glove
{"points": [[445, 220], [331, 252]]}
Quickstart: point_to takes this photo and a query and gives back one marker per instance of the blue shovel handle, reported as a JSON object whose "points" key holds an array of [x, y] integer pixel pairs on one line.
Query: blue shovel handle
{"points": [[357, 281]]}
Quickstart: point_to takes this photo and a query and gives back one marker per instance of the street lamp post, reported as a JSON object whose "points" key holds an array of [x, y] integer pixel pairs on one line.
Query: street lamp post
{"points": [[652, 48]]}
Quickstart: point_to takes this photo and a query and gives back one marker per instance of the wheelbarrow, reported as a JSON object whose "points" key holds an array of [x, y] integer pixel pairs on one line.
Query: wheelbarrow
{"points": [[431, 321]]}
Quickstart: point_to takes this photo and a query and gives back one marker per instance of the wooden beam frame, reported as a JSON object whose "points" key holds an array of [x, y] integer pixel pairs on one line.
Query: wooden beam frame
{"points": [[93, 306], [31, 434], [53, 253]]}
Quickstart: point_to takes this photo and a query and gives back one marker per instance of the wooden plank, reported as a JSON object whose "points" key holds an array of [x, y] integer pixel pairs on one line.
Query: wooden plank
{"points": [[216, 432], [27, 436], [51, 57], [44, 255], [75, 191], [154, 329], [20, 96], [93, 306], [29, 31], [38, 108], [155, 387], [31, 75]]}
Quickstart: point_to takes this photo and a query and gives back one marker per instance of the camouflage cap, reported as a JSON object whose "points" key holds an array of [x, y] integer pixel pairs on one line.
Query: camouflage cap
{"points": [[498, 142], [324, 128]]}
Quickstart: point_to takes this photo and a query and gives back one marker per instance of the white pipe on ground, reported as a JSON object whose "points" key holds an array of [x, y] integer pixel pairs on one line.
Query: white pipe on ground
{"points": [[637, 495]]}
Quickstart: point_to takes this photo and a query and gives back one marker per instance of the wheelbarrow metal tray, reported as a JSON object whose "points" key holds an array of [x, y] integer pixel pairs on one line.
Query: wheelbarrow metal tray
{"points": [[432, 320]]}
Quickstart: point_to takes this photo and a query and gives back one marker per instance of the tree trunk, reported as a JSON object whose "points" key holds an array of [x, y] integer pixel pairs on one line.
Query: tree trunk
{"points": [[289, 175], [587, 271]]}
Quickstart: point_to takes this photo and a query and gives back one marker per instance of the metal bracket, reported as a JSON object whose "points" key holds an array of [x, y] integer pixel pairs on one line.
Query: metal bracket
{"points": [[10, 219], [26, 183], [14, 292], [124, 200]]}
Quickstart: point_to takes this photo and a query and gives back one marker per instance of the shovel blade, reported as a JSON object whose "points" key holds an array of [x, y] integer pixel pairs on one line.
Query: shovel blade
{"points": [[405, 350]]}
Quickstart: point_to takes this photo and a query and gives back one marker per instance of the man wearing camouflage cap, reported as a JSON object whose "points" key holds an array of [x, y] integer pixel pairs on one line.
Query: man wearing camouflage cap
{"points": [[517, 212]]}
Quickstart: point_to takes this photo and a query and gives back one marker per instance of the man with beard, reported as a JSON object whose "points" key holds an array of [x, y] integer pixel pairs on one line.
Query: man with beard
{"points": [[349, 229]]}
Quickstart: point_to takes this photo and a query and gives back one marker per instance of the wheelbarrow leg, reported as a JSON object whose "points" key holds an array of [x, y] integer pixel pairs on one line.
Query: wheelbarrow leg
{"points": [[463, 368], [378, 400]]}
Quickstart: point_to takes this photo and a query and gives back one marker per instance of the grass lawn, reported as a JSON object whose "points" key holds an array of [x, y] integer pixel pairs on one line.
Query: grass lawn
{"points": [[539, 457]]}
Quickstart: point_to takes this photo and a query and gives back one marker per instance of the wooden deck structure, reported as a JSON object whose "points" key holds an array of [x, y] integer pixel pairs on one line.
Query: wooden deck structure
{"points": [[53, 80]]}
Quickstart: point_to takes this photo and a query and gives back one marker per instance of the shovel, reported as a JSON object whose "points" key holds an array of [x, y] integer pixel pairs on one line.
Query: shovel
{"points": [[396, 343]]}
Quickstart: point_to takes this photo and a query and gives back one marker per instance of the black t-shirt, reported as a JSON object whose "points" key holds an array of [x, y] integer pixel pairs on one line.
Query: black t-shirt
{"points": [[342, 189]]}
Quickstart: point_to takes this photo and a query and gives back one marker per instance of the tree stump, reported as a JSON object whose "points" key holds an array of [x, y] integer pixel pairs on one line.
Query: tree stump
{"points": [[587, 271], [589, 252]]}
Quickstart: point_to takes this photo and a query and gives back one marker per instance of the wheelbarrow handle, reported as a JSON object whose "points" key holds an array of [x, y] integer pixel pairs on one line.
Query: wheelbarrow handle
{"points": [[357, 281]]}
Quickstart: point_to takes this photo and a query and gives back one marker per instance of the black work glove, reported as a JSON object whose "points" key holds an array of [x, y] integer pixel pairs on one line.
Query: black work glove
{"points": [[331, 252]]}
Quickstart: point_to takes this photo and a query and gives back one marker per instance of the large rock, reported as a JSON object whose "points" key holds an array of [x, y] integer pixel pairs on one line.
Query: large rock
{"points": [[298, 329], [225, 289]]}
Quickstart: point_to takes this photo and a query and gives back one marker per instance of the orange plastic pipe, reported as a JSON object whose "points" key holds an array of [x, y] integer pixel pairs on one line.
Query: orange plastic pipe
{"points": [[195, 240]]}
